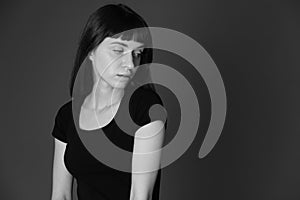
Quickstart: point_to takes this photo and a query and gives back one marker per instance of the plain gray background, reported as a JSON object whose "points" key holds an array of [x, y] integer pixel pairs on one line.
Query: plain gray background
{"points": [[255, 44]]}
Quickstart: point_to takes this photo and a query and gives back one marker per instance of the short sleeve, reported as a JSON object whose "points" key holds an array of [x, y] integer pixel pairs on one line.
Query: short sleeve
{"points": [[58, 131], [148, 107]]}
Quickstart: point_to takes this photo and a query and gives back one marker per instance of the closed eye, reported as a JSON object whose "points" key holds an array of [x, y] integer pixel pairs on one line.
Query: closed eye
{"points": [[118, 50]]}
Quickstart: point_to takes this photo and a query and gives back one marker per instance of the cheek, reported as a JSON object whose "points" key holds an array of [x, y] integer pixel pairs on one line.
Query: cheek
{"points": [[103, 64], [135, 69], [134, 73]]}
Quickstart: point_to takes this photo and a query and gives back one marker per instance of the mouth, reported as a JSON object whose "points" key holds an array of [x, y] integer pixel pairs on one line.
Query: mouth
{"points": [[123, 75]]}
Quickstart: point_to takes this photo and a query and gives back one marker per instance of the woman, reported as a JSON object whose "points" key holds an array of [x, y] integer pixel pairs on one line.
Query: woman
{"points": [[111, 50]]}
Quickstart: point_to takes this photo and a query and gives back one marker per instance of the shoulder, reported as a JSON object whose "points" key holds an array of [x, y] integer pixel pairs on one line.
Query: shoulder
{"points": [[62, 120], [143, 104], [65, 110], [145, 95]]}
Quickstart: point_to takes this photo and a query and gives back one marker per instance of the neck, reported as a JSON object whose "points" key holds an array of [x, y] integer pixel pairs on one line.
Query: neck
{"points": [[104, 95]]}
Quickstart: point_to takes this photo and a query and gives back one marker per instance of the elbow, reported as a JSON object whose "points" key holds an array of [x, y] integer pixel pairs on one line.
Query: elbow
{"points": [[61, 197]]}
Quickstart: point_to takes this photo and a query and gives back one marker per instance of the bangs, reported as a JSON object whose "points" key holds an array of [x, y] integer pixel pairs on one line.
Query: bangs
{"points": [[141, 35], [115, 21]]}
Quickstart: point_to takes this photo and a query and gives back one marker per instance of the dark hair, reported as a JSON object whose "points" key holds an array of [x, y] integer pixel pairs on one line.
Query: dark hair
{"points": [[111, 21]]}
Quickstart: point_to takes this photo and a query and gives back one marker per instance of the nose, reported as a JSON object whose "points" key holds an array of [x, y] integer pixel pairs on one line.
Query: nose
{"points": [[127, 61]]}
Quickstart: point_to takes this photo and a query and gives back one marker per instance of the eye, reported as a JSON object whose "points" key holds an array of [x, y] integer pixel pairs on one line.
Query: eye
{"points": [[118, 50], [137, 53]]}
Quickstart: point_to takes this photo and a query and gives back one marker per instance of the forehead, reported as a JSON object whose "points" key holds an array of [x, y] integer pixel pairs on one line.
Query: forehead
{"points": [[131, 44]]}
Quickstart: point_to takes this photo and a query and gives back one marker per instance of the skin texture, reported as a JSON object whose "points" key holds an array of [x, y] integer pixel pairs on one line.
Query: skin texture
{"points": [[111, 58], [148, 138], [62, 180]]}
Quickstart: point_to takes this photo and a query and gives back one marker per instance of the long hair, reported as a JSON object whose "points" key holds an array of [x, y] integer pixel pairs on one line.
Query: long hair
{"points": [[110, 21]]}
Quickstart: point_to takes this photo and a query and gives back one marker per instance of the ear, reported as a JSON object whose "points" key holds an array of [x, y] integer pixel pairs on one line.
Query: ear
{"points": [[91, 55]]}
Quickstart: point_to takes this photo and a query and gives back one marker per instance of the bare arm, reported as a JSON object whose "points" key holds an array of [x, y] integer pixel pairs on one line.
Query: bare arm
{"points": [[62, 180], [148, 138]]}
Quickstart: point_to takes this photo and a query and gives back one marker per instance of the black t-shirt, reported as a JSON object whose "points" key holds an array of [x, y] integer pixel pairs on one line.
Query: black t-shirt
{"points": [[95, 180]]}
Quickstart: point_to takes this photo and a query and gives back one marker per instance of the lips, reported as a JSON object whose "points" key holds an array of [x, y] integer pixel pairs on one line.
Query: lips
{"points": [[124, 75]]}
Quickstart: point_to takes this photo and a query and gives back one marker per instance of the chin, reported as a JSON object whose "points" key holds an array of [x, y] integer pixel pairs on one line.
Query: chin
{"points": [[120, 85]]}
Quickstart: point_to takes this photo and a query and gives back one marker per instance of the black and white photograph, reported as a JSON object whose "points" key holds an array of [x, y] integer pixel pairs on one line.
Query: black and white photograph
{"points": [[150, 100]]}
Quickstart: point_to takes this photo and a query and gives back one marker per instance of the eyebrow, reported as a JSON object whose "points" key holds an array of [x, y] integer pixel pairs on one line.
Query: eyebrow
{"points": [[125, 45], [120, 43]]}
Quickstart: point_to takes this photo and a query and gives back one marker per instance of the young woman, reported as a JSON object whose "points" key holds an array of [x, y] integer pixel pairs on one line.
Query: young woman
{"points": [[112, 51]]}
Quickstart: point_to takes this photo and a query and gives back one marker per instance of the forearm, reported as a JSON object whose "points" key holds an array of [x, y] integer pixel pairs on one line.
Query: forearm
{"points": [[142, 185], [140, 196], [145, 165]]}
